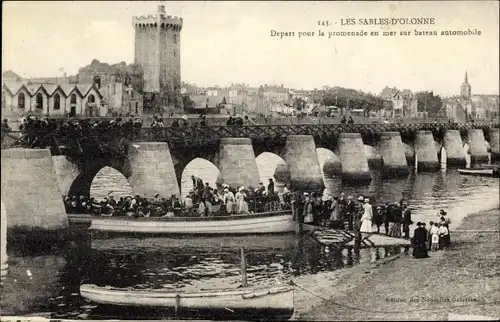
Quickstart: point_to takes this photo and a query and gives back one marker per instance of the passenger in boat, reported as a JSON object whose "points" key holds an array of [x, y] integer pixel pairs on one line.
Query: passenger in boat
{"points": [[270, 188], [240, 199], [261, 189], [176, 205], [188, 203], [366, 219], [206, 191], [419, 242], [229, 200], [406, 221]]}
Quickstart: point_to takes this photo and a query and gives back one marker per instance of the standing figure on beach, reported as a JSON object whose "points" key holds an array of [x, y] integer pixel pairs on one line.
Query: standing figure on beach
{"points": [[397, 218], [444, 236], [350, 210], [366, 219], [444, 219], [420, 242], [406, 221], [434, 237]]}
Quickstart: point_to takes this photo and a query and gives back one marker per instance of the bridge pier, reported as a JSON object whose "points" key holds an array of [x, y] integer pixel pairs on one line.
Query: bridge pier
{"points": [[452, 143], [151, 169], [495, 144], [237, 163], [32, 199], [425, 152], [393, 154], [478, 152], [300, 156], [351, 152], [66, 172]]}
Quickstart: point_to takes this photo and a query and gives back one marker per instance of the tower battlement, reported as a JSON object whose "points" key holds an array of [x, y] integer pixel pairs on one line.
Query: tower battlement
{"points": [[152, 20]]}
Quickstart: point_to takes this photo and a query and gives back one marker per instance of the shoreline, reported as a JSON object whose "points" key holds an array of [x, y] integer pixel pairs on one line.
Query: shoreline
{"points": [[404, 288]]}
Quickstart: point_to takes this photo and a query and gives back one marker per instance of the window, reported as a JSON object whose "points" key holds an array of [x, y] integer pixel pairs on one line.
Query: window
{"points": [[57, 101], [73, 99], [175, 39], [21, 101], [39, 101], [91, 98]]}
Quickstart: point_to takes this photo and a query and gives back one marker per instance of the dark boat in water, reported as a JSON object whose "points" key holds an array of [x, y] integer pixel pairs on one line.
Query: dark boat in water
{"points": [[489, 171]]}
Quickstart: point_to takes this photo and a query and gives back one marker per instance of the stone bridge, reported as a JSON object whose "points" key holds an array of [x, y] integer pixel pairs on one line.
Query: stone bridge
{"points": [[153, 160]]}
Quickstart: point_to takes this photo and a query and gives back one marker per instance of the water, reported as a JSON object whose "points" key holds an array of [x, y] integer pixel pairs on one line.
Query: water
{"points": [[49, 283]]}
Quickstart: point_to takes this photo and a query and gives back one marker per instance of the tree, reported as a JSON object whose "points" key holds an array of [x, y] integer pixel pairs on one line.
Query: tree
{"points": [[299, 103], [427, 101], [187, 101]]}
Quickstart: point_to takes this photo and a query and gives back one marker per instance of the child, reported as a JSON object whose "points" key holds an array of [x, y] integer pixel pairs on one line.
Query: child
{"points": [[434, 237]]}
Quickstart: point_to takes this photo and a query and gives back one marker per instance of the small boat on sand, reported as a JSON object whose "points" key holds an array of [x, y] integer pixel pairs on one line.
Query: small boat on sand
{"points": [[275, 303], [258, 223], [482, 172]]}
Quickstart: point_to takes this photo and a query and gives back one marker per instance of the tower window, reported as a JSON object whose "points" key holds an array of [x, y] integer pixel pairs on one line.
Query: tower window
{"points": [[175, 39]]}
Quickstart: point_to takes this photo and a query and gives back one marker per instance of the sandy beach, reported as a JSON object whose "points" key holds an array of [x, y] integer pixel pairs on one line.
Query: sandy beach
{"points": [[459, 280]]}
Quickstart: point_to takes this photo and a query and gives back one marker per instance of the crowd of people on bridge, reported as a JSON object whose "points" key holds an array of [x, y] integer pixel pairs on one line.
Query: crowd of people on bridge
{"points": [[35, 131]]}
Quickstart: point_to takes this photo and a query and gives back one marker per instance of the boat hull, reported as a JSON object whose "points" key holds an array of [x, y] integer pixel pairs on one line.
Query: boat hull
{"points": [[480, 172], [256, 303], [265, 223]]}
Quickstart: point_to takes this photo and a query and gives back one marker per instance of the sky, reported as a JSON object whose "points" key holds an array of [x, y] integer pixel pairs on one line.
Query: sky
{"points": [[231, 42]]}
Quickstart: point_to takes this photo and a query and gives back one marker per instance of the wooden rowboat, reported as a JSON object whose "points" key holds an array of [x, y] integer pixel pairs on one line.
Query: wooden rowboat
{"points": [[268, 302], [480, 172], [260, 223]]}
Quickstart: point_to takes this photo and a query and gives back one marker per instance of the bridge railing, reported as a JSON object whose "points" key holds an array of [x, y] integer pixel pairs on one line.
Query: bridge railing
{"points": [[207, 134]]}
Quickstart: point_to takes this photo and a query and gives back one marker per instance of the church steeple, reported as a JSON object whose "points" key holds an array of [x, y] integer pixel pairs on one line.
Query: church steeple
{"points": [[465, 89]]}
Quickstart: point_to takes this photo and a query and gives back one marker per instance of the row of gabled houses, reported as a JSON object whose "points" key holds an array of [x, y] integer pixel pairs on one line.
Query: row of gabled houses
{"points": [[50, 99], [24, 97]]}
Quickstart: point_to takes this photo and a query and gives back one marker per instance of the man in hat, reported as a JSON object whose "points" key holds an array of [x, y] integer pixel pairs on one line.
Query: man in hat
{"points": [[406, 221], [261, 189], [270, 188]]}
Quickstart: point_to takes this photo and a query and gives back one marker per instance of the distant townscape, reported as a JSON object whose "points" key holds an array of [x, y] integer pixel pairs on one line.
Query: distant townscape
{"points": [[152, 85]]}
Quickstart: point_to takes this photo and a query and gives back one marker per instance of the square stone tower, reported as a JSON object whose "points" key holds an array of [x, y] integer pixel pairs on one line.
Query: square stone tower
{"points": [[157, 51]]}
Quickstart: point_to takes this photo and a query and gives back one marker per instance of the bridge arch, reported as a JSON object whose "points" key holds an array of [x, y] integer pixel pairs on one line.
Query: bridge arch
{"points": [[329, 163], [268, 163], [373, 157], [199, 167], [110, 181]]}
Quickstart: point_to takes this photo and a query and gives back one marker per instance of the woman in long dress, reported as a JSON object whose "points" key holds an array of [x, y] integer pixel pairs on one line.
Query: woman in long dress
{"points": [[366, 219], [240, 199], [229, 200], [334, 214]]}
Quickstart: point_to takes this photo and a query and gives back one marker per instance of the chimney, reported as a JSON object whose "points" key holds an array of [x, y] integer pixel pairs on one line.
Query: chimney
{"points": [[281, 85]]}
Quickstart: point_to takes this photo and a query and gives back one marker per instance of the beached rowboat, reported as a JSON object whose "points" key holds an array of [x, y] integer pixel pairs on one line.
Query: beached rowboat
{"points": [[276, 301], [260, 223], [480, 172]]}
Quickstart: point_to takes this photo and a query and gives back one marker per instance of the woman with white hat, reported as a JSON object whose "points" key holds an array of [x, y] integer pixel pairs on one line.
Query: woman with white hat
{"points": [[240, 199], [229, 200], [366, 219]]}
